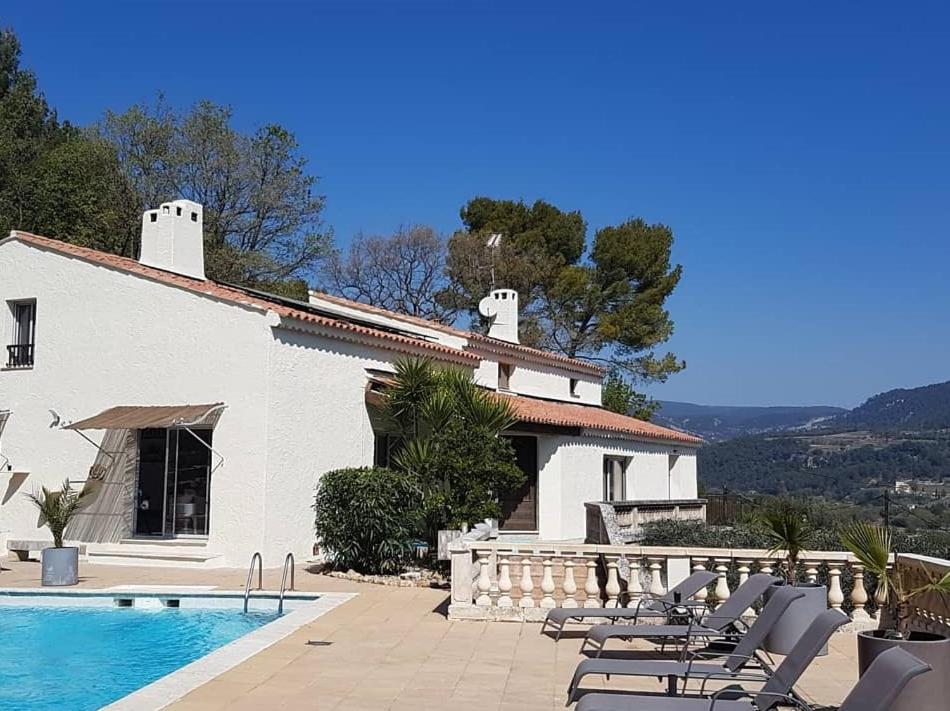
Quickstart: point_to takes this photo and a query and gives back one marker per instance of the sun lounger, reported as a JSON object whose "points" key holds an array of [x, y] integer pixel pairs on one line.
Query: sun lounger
{"points": [[715, 624], [701, 662], [778, 686], [876, 690], [657, 607]]}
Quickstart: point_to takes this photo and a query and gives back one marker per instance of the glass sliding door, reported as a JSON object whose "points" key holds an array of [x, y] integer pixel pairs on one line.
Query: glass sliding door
{"points": [[174, 483], [189, 500]]}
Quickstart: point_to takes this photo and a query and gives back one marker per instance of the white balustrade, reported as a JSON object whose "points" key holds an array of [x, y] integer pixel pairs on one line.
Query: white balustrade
{"points": [[745, 567], [634, 586], [613, 584], [569, 586], [656, 584], [547, 584], [579, 575], [484, 581], [699, 564], [592, 585], [526, 584], [722, 591], [835, 594], [859, 596], [504, 583]]}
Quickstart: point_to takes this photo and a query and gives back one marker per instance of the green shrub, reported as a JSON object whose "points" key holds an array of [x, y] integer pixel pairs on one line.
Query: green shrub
{"points": [[368, 518]]}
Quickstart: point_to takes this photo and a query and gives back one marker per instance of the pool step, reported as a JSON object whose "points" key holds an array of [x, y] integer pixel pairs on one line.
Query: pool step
{"points": [[159, 553]]}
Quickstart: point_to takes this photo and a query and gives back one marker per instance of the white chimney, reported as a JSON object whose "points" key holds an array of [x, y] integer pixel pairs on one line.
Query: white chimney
{"points": [[501, 308], [173, 238]]}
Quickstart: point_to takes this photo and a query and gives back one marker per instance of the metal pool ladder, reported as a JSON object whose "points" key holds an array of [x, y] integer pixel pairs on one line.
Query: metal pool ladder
{"points": [[283, 581], [260, 578]]}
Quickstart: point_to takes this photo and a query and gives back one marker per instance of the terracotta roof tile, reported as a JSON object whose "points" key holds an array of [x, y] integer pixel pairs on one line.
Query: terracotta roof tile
{"points": [[493, 343], [392, 341], [565, 414]]}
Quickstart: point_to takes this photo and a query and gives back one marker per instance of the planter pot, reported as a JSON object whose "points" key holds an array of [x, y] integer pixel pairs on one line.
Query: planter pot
{"points": [[796, 619], [60, 566], [927, 692]]}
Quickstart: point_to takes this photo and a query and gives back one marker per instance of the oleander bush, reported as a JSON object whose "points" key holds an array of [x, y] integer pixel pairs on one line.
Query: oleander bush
{"points": [[368, 518]]}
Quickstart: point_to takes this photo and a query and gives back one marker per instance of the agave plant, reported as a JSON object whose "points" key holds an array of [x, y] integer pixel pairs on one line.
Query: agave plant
{"points": [[871, 545], [57, 508], [787, 526]]}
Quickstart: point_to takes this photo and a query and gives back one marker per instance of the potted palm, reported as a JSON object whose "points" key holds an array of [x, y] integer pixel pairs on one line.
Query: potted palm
{"points": [[57, 508], [896, 591], [788, 527]]}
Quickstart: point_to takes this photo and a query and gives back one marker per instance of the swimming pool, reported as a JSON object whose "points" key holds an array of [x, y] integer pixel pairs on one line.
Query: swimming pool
{"points": [[83, 651]]}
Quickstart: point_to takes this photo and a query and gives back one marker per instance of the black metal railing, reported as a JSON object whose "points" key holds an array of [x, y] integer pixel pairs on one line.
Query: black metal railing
{"points": [[20, 355]]}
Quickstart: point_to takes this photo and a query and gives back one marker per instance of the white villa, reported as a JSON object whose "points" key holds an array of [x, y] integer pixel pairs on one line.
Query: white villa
{"points": [[208, 412]]}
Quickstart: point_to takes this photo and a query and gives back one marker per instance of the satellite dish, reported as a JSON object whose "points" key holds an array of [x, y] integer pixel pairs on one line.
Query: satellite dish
{"points": [[487, 307]]}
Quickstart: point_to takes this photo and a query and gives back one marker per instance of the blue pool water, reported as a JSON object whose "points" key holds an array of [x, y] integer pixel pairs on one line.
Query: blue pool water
{"points": [[78, 658]]}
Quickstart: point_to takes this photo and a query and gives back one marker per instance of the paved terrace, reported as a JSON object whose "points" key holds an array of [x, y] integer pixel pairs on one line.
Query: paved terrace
{"points": [[393, 648]]}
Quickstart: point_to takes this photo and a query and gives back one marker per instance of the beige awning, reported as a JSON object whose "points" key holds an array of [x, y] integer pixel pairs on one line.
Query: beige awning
{"points": [[140, 417]]}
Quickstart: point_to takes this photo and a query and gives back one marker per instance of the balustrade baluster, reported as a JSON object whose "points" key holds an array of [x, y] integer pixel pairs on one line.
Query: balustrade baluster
{"points": [[835, 593], [591, 586], [656, 584], [744, 570], [722, 583], [634, 586], [569, 585], [811, 572], [859, 595], [613, 584], [504, 583], [484, 581], [547, 584], [765, 566], [526, 584], [699, 564]]}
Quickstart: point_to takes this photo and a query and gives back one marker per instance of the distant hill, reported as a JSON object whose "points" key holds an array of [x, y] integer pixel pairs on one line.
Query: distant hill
{"points": [[900, 434], [924, 408], [719, 422]]}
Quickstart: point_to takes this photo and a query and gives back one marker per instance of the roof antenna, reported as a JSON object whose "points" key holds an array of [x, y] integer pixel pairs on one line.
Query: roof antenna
{"points": [[493, 243]]}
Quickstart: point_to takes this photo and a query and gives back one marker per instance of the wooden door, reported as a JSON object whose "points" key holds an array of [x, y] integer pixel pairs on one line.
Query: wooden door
{"points": [[519, 509]]}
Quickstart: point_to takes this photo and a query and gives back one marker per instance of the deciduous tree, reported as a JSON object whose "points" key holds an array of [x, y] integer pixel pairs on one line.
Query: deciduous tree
{"points": [[404, 272], [263, 223]]}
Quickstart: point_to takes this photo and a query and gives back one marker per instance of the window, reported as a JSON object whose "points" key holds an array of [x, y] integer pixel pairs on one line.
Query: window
{"points": [[574, 387], [20, 351], [504, 376], [385, 446], [615, 485]]}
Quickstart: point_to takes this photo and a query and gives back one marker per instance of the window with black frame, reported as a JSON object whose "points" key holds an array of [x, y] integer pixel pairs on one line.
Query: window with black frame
{"points": [[20, 352]]}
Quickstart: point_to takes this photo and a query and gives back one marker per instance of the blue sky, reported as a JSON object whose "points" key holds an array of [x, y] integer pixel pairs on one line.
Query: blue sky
{"points": [[800, 151]]}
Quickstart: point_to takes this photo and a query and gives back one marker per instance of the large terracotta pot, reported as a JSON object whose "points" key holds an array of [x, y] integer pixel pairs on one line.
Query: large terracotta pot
{"points": [[796, 619], [927, 692]]}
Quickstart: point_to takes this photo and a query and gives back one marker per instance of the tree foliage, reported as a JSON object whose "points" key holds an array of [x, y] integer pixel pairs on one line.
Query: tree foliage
{"points": [[448, 429], [404, 272], [368, 518], [262, 222], [54, 179], [617, 395], [604, 305]]}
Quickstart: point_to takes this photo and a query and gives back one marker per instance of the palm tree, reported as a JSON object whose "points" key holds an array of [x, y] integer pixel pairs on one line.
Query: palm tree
{"points": [[57, 508], [871, 545], [422, 399], [787, 526]]}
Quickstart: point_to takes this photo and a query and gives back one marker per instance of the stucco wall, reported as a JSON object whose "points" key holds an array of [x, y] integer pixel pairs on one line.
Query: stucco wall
{"points": [[317, 422], [106, 338], [574, 474], [536, 380]]}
